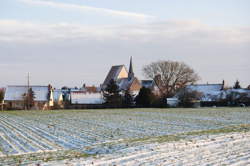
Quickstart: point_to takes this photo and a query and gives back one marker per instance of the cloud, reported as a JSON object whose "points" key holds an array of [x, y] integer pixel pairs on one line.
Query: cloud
{"points": [[216, 53], [189, 31], [82, 8]]}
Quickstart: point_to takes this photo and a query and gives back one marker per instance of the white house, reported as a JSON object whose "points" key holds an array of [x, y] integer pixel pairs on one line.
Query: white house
{"points": [[85, 98], [14, 97]]}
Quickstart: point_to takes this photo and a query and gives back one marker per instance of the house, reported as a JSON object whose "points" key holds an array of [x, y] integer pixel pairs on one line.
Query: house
{"points": [[43, 97], [172, 102], [208, 94], [86, 98], [124, 79], [237, 96], [151, 85], [58, 98]]}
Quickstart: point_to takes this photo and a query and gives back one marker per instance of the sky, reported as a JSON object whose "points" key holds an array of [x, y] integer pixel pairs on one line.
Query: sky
{"points": [[72, 42]]}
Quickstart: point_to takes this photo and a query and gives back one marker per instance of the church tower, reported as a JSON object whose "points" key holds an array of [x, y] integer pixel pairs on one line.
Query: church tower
{"points": [[131, 72]]}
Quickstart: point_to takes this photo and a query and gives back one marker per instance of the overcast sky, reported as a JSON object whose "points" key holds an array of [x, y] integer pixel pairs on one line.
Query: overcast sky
{"points": [[71, 42]]}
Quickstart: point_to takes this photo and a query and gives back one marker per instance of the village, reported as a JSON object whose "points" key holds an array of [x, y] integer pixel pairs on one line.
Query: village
{"points": [[128, 87]]}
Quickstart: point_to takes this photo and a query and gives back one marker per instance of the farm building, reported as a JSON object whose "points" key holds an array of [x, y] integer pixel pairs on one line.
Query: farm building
{"points": [[85, 97], [43, 97], [125, 80]]}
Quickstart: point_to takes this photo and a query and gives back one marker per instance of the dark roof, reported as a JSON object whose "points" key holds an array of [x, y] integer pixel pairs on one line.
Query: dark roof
{"points": [[148, 83], [124, 83], [113, 74]]}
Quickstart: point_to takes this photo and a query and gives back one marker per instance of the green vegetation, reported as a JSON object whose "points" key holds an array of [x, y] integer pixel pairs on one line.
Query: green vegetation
{"points": [[42, 157], [177, 137]]}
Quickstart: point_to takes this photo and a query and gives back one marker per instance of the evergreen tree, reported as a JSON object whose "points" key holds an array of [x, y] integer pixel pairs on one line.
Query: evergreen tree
{"points": [[237, 85], [1, 95], [28, 99], [128, 99], [112, 94], [145, 97]]}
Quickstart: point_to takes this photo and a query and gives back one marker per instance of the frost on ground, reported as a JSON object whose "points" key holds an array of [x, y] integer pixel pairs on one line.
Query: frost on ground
{"points": [[223, 149], [31, 137]]}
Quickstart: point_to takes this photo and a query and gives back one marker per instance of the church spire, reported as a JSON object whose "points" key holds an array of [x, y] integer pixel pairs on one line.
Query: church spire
{"points": [[131, 72]]}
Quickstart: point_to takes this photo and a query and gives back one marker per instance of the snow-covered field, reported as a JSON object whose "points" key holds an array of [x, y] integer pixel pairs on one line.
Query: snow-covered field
{"points": [[41, 136], [224, 149]]}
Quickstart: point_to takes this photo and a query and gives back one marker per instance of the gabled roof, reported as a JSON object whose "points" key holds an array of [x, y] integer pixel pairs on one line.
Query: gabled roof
{"points": [[128, 83], [210, 92], [15, 93], [124, 83], [240, 91], [113, 74], [205, 88], [148, 83]]}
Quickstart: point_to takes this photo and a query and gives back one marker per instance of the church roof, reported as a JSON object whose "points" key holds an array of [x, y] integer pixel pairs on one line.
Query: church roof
{"points": [[124, 83], [131, 71], [113, 74]]}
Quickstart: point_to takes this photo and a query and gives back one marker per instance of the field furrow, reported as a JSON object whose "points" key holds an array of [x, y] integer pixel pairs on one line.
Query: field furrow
{"points": [[126, 136]]}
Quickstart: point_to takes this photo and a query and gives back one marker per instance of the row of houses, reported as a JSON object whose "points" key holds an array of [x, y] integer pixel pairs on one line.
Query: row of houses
{"points": [[212, 95], [47, 97]]}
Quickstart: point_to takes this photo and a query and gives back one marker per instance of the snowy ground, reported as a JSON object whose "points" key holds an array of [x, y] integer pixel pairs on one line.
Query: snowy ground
{"points": [[224, 149], [42, 136]]}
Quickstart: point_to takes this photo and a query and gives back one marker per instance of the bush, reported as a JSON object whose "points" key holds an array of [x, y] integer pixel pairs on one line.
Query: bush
{"points": [[145, 98], [187, 97], [112, 95]]}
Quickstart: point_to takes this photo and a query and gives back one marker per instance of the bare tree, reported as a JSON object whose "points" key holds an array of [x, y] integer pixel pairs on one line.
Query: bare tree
{"points": [[170, 76]]}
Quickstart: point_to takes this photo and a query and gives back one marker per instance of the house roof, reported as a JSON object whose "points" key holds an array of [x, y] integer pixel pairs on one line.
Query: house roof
{"points": [[15, 93], [240, 91], [113, 74], [205, 88], [148, 83], [210, 92]]}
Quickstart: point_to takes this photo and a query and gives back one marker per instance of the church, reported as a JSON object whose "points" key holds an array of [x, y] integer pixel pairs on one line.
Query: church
{"points": [[125, 80]]}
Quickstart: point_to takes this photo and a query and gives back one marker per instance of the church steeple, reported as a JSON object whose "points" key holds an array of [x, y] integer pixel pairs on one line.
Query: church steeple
{"points": [[131, 72]]}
